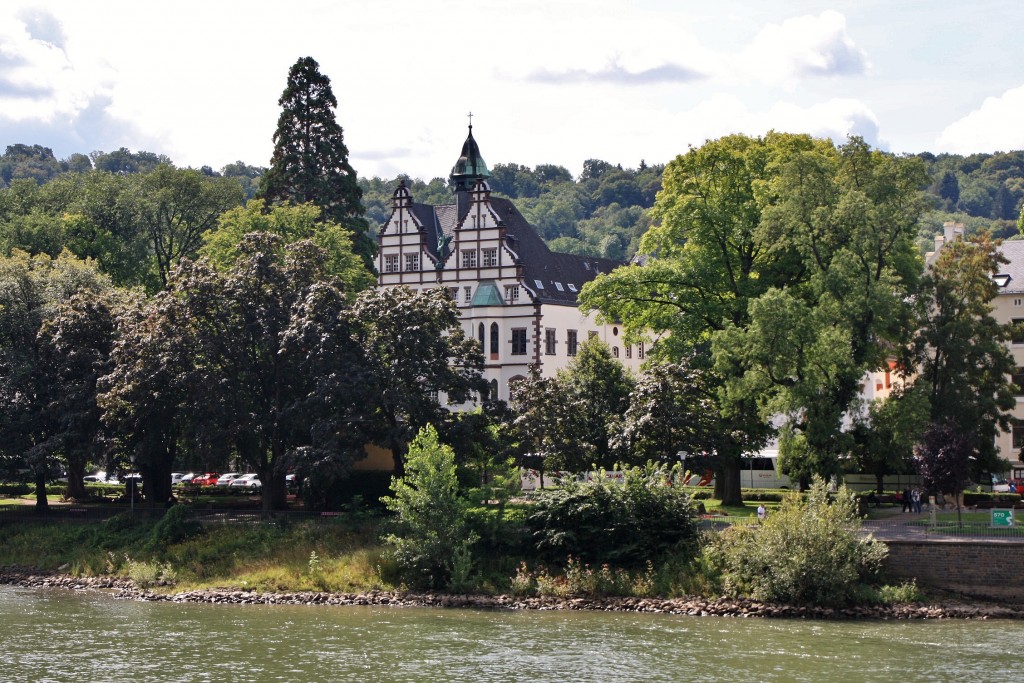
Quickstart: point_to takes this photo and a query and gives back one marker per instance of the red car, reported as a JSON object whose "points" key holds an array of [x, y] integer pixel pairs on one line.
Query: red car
{"points": [[208, 479]]}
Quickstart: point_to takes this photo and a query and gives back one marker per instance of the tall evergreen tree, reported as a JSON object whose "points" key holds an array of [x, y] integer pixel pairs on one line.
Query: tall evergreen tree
{"points": [[310, 161]]}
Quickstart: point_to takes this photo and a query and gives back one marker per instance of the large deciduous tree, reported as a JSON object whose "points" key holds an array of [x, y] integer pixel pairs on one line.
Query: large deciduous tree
{"points": [[32, 288], [709, 257], [310, 160], [962, 349], [415, 351], [850, 214], [177, 206], [291, 223]]}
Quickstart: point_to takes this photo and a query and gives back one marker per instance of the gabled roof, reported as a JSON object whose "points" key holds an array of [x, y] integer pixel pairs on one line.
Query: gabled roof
{"points": [[1013, 251], [546, 266]]}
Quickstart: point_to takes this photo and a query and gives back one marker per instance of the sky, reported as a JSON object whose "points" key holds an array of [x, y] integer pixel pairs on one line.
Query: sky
{"points": [[548, 81]]}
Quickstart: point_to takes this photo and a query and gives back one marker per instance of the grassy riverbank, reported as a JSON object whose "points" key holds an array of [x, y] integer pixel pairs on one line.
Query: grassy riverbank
{"points": [[340, 555]]}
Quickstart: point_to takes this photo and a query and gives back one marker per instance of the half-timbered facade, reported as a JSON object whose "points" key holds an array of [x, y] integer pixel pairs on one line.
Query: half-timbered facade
{"points": [[516, 296]]}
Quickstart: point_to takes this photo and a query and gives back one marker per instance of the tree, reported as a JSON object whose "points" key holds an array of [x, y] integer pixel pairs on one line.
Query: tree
{"points": [[292, 224], [177, 207], [537, 408], [310, 160], [671, 410], [850, 214], [709, 257], [944, 459], [147, 398], [594, 388], [884, 438], [31, 290], [433, 538], [414, 351], [75, 348], [962, 351]]}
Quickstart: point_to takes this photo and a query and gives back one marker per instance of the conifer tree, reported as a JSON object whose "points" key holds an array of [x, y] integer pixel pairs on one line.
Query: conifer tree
{"points": [[310, 161]]}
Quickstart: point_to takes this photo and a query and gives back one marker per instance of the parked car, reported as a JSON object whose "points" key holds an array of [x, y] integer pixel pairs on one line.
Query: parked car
{"points": [[186, 478], [208, 479], [176, 477], [245, 482], [100, 477], [226, 479]]}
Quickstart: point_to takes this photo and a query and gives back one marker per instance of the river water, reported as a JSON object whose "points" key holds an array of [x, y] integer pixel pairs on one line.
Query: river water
{"points": [[52, 635]]}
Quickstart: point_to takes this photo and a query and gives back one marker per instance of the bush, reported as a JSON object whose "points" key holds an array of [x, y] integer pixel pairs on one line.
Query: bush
{"points": [[985, 498], [178, 524], [805, 552], [432, 539], [625, 524]]}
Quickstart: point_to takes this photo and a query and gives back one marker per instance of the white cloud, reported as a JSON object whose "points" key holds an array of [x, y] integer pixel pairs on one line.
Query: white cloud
{"points": [[724, 114], [802, 47], [39, 81], [993, 127]]}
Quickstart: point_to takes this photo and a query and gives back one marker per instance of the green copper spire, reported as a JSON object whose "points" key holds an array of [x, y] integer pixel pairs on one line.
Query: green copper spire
{"points": [[470, 167]]}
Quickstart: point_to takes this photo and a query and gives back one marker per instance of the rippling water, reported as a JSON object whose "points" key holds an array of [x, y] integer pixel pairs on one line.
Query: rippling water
{"points": [[62, 636]]}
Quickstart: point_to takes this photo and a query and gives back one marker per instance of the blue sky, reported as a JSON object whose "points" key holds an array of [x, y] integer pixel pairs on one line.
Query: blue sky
{"points": [[548, 81]]}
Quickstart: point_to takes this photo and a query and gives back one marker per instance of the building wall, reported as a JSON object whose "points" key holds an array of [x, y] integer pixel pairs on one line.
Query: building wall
{"points": [[1007, 307]]}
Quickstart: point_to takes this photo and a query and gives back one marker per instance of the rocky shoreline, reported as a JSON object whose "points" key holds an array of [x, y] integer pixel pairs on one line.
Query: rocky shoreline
{"points": [[125, 589]]}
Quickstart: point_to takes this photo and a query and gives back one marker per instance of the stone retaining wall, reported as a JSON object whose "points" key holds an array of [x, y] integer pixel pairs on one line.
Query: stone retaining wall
{"points": [[983, 569]]}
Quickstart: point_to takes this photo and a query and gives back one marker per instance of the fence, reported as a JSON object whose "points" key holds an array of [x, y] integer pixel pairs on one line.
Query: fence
{"points": [[96, 513]]}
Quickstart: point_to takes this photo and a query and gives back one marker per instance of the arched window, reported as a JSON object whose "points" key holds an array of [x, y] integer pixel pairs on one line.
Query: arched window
{"points": [[494, 340], [494, 390], [480, 335]]}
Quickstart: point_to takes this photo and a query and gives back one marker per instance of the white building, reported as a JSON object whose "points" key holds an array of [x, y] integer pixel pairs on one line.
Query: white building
{"points": [[1008, 306], [516, 296]]}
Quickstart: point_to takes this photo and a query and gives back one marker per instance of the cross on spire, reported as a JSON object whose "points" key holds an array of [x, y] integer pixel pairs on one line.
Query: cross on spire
{"points": [[470, 119]]}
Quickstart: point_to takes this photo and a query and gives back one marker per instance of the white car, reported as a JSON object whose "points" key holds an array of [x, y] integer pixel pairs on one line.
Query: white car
{"points": [[176, 478], [100, 477], [246, 481], [226, 479]]}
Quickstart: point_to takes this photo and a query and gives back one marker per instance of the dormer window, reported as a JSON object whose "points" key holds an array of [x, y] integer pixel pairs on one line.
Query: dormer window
{"points": [[1001, 280]]}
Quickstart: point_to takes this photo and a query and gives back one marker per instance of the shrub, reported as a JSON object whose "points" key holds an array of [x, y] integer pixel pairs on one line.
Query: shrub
{"points": [[805, 552], [178, 524], [432, 535], [625, 523]]}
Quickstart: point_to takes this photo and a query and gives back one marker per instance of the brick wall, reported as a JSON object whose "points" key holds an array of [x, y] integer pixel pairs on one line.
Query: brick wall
{"points": [[976, 568]]}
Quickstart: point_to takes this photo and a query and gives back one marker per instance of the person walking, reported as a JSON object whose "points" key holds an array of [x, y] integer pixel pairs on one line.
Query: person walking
{"points": [[915, 498], [905, 500]]}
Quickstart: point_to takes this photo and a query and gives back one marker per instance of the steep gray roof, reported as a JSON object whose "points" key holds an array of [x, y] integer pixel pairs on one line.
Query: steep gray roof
{"points": [[1013, 251]]}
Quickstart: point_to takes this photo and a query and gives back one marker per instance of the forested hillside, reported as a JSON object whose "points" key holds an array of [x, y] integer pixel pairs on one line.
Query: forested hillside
{"points": [[603, 212]]}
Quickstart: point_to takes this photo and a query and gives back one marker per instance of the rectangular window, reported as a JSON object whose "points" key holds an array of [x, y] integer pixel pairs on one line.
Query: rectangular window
{"points": [[469, 258], [412, 261], [391, 264], [640, 350], [511, 293], [550, 341], [519, 341], [629, 351], [1018, 436], [571, 342], [469, 294], [455, 293], [1018, 379], [490, 258]]}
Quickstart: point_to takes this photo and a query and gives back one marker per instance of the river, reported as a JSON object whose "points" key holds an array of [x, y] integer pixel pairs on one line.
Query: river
{"points": [[55, 635]]}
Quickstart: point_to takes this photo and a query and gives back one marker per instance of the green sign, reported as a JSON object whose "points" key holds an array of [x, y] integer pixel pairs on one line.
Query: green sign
{"points": [[1002, 518]]}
